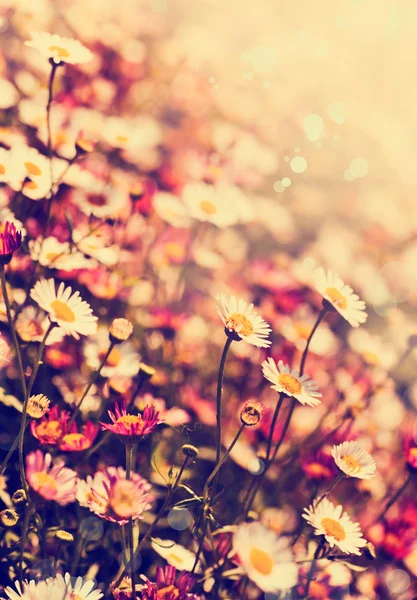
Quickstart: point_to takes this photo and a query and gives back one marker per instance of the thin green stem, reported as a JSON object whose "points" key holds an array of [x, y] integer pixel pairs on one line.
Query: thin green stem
{"points": [[13, 331], [92, 381], [35, 369], [219, 405]]}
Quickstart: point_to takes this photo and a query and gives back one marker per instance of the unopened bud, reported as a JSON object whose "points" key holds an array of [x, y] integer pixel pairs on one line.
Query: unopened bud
{"points": [[189, 450], [38, 406], [146, 371], [251, 413], [9, 517], [19, 498], [370, 551], [64, 536], [120, 330]]}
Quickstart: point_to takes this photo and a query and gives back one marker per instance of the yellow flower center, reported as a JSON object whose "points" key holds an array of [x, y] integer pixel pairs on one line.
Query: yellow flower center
{"points": [[302, 330], [74, 439], [114, 358], [31, 185], [290, 384], [261, 561], [336, 297], [62, 52], [352, 463], [333, 528], [2, 169], [49, 429], [62, 311], [130, 420], [240, 324], [51, 256], [45, 482], [121, 138], [371, 358], [123, 498], [168, 593], [175, 557], [208, 207], [318, 470], [413, 452], [174, 250], [32, 169]]}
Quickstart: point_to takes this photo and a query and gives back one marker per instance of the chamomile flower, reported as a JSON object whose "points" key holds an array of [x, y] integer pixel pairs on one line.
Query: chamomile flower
{"points": [[340, 296], [242, 322], [171, 209], [353, 460], [205, 203], [175, 554], [330, 520], [57, 255], [11, 171], [266, 558], [31, 327], [65, 308], [63, 587], [287, 380], [59, 49]]}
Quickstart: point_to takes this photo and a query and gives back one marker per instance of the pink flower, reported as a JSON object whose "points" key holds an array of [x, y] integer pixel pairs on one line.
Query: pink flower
{"points": [[50, 481], [113, 497], [132, 427], [171, 416], [75, 441], [168, 586], [10, 241]]}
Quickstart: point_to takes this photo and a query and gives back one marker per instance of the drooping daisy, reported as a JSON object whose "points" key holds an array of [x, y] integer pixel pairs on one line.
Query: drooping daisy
{"points": [[169, 586], [242, 322], [340, 296], [330, 520], [50, 481], [266, 558], [60, 49], [353, 460], [130, 428], [176, 555], [113, 497], [68, 310], [287, 380]]}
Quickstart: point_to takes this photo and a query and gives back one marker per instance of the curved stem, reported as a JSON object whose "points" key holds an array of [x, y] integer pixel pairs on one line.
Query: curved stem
{"points": [[92, 381], [130, 449], [320, 317]]}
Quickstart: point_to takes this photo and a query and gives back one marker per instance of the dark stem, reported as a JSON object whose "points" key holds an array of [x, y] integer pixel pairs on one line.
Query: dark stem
{"points": [[394, 499], [313, 567], [130, 449]]}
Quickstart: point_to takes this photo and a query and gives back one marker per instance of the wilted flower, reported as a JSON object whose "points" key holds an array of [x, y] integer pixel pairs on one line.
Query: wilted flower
{"points": [[9, 517]]}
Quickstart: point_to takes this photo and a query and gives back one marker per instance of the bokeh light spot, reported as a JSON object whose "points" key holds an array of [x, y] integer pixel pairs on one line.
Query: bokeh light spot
{"points": [[298, 164], [179, 518]]}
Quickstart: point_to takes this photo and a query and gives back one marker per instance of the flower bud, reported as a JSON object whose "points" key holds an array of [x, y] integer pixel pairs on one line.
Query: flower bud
{"points": [[19, 498], [251, 413], [64, 536], [146, 372], [189, 450], [120, 330], [83, 145], [9, 517], [370, 551]]}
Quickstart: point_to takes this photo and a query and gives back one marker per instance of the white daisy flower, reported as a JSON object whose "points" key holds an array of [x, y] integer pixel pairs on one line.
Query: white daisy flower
{"points": [[58, 255], [68, 310], [97, 246], [60, 49], [123, 359], [205, 203], [31, 327], [171, 209], [341, 296], [266, 558], [242, 321], [11, 171], [375, 351], [79, 589], [330, 520], [289, 381], [353, 460], [62, 587], [7, 215], [176, 555]]}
